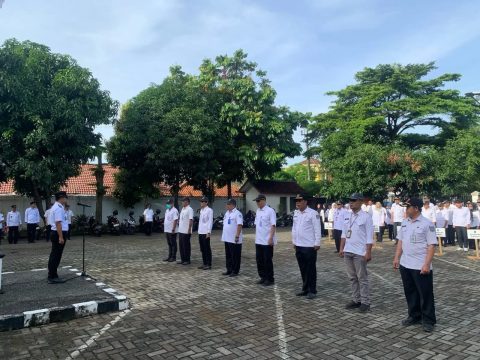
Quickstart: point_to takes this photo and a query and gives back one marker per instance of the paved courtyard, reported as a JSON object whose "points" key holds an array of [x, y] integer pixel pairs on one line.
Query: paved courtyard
{"points": [[182, 312]]}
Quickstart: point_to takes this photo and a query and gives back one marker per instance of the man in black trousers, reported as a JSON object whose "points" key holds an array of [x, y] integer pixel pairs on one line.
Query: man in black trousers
{"points": [[265, 240], [58, 219]]}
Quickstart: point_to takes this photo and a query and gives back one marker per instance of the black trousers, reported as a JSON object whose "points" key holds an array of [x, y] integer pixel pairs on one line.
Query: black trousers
{"points": [[205, 249], [462, 238], [55, 254], [69, 231], [31, 230], [185, 247], [264, 255], [381, 231], [337, 236], [148, 227], [450, 232], [172, 245], [395, 229], [419, 294], [13, 234], [233, 257], [307, 262], [48, 232], [390, 231]]}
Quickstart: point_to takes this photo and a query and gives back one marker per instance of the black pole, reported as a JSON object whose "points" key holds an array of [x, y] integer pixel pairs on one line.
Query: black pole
{"points": [[83, 244]]}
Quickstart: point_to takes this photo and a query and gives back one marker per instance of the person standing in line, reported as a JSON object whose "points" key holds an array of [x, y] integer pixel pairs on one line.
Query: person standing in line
{"points": [[389, 223], [185, 225], [205, 224], [148, 218], [441, 221], [232, 237], [265, 240], [338, 219], [379, 216], [461, 223], [448, 215], [170, 229], [476, 218], [2, 225], [398, 215], [330, 216], [32, 219], [14, 221], [46, 219], [356, 249], [368, 207], [428, 210], [69, 213], [306, 239], [413, 256], [59, 236]]}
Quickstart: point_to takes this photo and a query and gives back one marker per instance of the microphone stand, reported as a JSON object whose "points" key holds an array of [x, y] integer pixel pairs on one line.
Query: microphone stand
{"points": [[84, 274]]}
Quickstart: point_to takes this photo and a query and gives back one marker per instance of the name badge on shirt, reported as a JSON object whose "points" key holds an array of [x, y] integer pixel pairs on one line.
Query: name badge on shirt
{"points": [[349, 233]]}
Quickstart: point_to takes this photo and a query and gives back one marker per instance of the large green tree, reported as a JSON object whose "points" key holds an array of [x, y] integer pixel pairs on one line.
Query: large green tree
{"points": [[49, 108], [383, 132]]}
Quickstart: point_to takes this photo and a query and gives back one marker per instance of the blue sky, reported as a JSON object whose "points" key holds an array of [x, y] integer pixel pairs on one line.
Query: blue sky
{"points": [[307, 47]]}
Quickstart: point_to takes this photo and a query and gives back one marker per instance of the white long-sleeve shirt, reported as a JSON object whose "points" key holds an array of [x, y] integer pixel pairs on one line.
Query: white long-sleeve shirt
{"points": [[32, 216], [306, 230], [429, 213], [461, 216], [205, 222], [379, 216], [14, 218]]}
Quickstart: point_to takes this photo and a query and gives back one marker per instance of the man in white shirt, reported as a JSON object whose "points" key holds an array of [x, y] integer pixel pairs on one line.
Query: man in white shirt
{"points": [[338, 218], [48, 226], [428, 211], [148, 218], [368, 208], [185, 225], [265, 240], [448, 215], [170, 229], [2, 224], [461, 222], [232, 237], [13, 223], [306, 238], [58, 219], [398, 215], [413, 256], [441, 221], [69, 214], [356, 248], [32, 219], [205, 223]]}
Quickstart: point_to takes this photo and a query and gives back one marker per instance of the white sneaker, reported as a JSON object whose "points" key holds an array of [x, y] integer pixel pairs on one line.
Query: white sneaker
{"points": [[465, 249], [459, 248]]}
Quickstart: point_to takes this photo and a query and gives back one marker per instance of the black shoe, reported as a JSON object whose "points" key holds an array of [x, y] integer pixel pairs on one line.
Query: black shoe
{"points": [[172, 260], [410, 321], [167, 259], [268, 283], [233, 274], [428, 327], [201, 267], [364, 308], [261, 281], [207, 267], [226, 273], [352, 305], [311, 296], [302, 293]]}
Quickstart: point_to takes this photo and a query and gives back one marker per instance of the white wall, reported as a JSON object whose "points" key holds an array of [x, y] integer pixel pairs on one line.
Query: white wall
{"points": [[272, 200]]}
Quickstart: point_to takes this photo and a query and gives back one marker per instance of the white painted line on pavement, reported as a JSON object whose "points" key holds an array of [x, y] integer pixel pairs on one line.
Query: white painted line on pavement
{"points": [[74, 354], [282, 335], [8, 272], [459, 265], [381, 277], [39, 269]]}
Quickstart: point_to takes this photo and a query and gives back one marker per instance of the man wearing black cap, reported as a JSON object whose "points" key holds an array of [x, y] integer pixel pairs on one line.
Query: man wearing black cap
{"points": [[413, 256], [232, 237], [13, 223], [32, 219], [59, 221], [265, 224], [306, 238], [205, 223], [185, 225], [170, 228], [356, 248]]}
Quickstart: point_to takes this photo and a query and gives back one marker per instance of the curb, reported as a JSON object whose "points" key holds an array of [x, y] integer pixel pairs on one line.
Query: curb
{"points": [[39, 317]]}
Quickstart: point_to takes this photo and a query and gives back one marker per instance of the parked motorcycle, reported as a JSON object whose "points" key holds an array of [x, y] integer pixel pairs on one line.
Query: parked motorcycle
{"points": [[129, 225], [113, 223], [249, 220], [94, 228], [158, 222], [218, 222]]}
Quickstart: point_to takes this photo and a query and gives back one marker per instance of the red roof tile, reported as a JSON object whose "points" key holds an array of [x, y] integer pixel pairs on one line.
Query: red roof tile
{"points": [[84, 184]]}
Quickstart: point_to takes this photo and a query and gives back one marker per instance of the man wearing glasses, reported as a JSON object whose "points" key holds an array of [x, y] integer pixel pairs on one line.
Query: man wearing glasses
{"points": [[306, 237], [413, 256]]}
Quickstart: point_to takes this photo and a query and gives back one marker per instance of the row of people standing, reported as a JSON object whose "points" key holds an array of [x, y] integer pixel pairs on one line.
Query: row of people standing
{"points": [[12, 223]]}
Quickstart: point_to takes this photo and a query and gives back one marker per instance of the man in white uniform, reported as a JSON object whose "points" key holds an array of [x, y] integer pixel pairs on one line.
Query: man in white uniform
{"points": [[59, 236], [448, 215], [461, 223], [204, 232], [232, 237], [413, 256], [428, 211], [306, 238], [356, 248], [148, 218], [398, 215], [265, 240], [13, 223], [170, 229], [185, 225], [32, 219], [338, 219]]}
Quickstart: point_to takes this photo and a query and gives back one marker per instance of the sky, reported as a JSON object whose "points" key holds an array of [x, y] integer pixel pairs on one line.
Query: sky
{"points": [[307, 47]]}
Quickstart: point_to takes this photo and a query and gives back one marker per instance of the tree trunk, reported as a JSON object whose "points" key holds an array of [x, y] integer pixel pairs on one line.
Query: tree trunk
{"points": [[229, 189], [100, 192], [38, 200]]}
